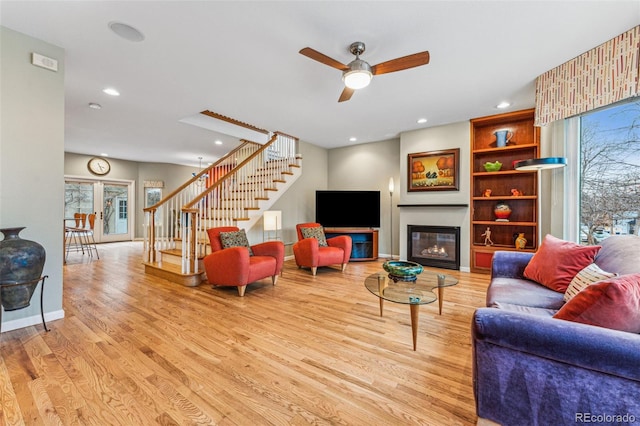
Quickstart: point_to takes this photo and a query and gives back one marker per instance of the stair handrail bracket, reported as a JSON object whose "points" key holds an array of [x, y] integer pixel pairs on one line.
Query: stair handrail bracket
{"points": [[230, 192]]}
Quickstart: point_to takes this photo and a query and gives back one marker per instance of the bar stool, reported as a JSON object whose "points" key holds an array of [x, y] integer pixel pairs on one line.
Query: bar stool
{"points": [[90, 242], [74, 240]]}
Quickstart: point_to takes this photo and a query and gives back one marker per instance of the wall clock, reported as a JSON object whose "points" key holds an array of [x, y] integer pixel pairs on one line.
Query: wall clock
{"points": [[99, 166]]}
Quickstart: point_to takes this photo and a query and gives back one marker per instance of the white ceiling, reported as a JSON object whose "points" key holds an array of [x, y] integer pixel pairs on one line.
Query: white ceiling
{"points": [[241, 59]]}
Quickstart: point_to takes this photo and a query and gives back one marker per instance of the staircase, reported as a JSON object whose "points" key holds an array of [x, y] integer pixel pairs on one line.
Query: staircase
{"points": [[234, 191]]}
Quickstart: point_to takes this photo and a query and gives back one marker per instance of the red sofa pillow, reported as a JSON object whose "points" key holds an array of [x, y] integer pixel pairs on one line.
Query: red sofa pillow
{"points": [[557, 261], [612, 303]]}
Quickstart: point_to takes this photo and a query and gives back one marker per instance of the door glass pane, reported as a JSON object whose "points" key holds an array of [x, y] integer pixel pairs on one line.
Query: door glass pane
{"points": [[115, 209], [78, 198]]}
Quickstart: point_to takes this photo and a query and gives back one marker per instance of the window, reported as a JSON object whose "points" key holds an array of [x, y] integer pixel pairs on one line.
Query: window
{"points": [[122, 209], [609, 186]]}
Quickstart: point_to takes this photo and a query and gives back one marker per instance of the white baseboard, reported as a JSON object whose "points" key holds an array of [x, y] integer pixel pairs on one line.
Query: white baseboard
{"points": [[32, 320]]}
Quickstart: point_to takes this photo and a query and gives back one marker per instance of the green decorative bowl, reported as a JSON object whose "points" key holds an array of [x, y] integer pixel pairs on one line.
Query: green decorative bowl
{"points": [[492, 167], [402, 270]]}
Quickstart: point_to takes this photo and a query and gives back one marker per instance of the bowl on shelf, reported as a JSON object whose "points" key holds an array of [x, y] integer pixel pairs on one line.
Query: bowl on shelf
{"points": [[402, 270], [492, 167]]}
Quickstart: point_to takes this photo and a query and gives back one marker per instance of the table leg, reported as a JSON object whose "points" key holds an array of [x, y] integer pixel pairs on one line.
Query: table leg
{"points": [[440, 297], [414, 322], [382, 285]]}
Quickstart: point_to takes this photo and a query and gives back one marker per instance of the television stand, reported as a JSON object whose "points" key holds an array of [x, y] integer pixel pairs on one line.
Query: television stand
{"points": [[365, 242]]}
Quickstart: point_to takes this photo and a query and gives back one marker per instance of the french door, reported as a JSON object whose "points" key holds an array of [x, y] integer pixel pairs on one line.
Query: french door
{"points": [[110, 200]]}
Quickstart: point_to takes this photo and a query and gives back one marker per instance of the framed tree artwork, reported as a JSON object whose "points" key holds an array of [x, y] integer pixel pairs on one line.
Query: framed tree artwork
{"points": [[433, 170]]}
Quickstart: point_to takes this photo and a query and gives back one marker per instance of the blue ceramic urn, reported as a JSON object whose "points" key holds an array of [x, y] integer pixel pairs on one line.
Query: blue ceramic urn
{"points": [[21, 261]]}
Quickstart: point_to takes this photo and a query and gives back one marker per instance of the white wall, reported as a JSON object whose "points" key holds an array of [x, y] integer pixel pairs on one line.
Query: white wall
{"points": [[32, 161], [369, 167], [456, 135]]}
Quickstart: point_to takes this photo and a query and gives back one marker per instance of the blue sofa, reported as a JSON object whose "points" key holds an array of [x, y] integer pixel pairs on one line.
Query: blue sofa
{"points": [[532, 369]]}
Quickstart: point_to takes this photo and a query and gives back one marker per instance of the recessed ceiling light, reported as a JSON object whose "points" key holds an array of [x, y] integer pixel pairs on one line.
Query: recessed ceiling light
{"points": [[353, 139], [94, 105], [111, 91], [503, 105], [422, 120], [125, 31], [218, 142]]}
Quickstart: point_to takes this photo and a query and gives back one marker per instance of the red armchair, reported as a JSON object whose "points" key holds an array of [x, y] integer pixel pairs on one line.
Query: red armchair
{"points": [[233, 266], [309, 253]]}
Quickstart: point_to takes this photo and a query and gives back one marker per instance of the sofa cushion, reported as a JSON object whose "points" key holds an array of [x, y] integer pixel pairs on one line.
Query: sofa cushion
{"points": [[557, 261], [235, 239], [518, 291], [589, 275], [613, 303], [317, 233], [544, 312], [620, 253]]}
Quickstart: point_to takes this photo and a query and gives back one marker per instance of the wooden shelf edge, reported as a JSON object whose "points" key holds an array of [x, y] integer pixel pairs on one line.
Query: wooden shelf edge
{"points": [[504, 148], [500, 247], [433, 205], [505, 172], [493, 222], [506, 197]]}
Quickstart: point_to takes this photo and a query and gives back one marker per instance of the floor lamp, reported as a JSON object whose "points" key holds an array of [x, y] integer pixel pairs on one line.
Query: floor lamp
{"points": [[272, 221], [391, 188]]}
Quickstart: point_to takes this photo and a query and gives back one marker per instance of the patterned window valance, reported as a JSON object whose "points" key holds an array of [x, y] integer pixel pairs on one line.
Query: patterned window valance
{"points": [[602, 76]]}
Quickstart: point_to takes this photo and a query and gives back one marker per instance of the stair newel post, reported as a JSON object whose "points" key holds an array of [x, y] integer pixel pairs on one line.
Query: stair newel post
{"points": [[192, 220], [152, 234], [145, 237]]}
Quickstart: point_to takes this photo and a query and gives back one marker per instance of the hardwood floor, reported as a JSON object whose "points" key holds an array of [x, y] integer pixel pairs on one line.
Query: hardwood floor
{"points": [[138, 350]]}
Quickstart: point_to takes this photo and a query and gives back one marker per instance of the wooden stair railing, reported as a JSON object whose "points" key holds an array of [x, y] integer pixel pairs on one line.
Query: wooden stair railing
{"points": [[220, 195]]}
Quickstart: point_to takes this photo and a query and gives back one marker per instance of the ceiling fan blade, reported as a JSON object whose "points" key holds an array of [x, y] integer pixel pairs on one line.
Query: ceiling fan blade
{"points": [[322, 58], [346, 94], [400, 64]]}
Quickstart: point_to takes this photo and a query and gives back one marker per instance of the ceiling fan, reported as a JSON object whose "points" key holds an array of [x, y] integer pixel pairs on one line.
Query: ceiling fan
{"points": [[358, 73]]}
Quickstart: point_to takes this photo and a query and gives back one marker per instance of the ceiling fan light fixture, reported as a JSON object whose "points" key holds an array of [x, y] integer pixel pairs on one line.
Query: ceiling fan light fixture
{"points": [[358, 76], [357, 79]]}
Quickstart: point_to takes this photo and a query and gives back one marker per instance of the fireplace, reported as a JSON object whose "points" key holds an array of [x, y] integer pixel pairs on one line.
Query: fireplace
{"points": [[436, 246]]}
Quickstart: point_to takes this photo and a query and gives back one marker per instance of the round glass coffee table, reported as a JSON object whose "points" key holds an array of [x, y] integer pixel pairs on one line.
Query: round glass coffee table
{"points": [[412, 293]]}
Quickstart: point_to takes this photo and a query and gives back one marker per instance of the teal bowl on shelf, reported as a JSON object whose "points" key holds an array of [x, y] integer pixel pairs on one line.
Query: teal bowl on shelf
{"points": [[402, 270]]}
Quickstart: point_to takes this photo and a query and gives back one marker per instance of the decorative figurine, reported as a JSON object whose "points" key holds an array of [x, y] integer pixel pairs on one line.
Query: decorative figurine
{"points": [[516, 193], [486, 193], [521, 241], [502, 212], [487, 237]]}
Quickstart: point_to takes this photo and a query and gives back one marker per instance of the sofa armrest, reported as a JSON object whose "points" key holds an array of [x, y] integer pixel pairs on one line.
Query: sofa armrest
{"points": [[594, 348], [345, 243], [510, 264], [228, 266], [539, 370], [274, 249], [306, 252]]}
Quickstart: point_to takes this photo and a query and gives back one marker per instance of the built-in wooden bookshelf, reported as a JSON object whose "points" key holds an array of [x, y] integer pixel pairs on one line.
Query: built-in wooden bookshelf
{"points": [[523, 145]]}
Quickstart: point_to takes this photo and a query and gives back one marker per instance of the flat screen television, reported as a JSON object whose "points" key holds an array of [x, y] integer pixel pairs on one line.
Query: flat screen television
{"points": [[348, 209]]}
